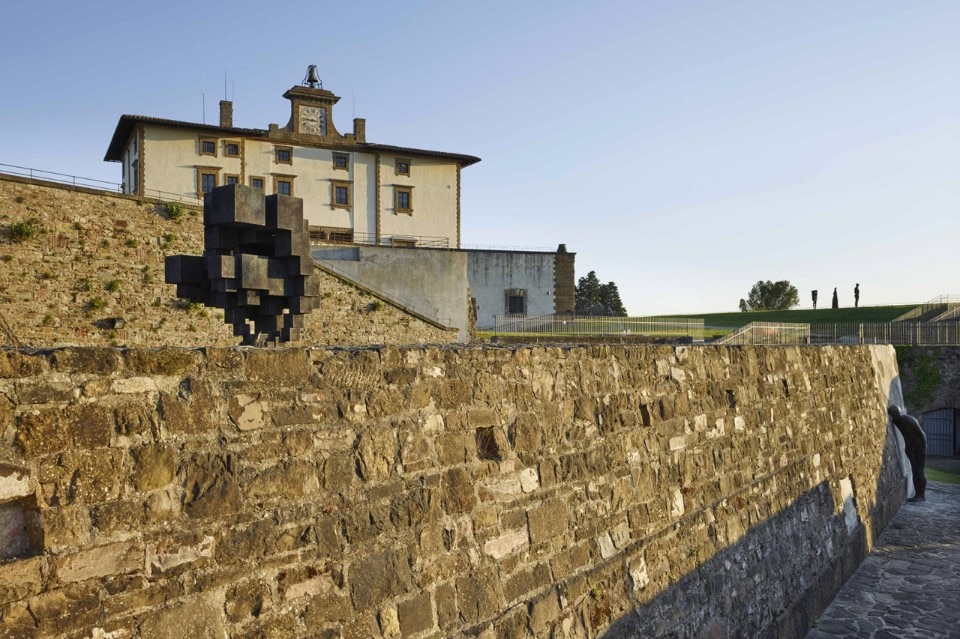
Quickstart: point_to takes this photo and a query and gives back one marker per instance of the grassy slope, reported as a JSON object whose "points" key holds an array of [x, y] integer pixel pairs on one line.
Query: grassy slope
{"points": [[866, 314]]}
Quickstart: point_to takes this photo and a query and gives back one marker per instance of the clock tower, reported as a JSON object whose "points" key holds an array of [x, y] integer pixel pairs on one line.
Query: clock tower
{"points": [[311, 108]]}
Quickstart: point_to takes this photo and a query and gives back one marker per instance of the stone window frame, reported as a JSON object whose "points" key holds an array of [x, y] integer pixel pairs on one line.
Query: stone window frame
{"points": [[227, 176], [346, 161], [263, 182], [202, 140], [278, 178], [513, 293], [408, 191], [345, 184], [207, 170], [276, 154], [401, 166], [226, 148]]}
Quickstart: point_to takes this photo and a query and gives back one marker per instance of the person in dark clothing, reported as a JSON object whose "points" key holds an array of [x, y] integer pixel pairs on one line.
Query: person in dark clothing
{"points": [[916, 445], [813, 294], [856, 295], [836, 302]]}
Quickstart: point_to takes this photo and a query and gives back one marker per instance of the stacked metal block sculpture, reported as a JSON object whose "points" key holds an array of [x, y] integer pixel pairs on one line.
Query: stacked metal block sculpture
{"points": [[256, 264]]}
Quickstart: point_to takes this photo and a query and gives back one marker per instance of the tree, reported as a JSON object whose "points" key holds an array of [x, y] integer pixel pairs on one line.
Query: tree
{"points": [[594, 298], [771, 296]]}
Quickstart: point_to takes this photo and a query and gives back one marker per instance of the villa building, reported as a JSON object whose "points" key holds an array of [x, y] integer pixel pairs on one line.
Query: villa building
{"points": [[352, 190]]}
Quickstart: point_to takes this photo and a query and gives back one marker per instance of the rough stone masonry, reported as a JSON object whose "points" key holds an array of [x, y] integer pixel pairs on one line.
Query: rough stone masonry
{"points": [[438, 492]]}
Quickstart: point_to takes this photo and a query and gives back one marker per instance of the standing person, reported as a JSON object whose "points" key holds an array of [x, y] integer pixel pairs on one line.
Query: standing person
{"points": [[856, 295], [836, 302], [916, 444], [813, 294]]}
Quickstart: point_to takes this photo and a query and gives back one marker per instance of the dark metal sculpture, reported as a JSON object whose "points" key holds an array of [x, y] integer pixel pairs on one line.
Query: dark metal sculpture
{"points": [[915, 443], [256, 264]]}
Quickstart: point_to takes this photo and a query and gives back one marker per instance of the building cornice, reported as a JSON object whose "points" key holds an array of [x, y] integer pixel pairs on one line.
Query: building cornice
{"points": [[127, 123]]}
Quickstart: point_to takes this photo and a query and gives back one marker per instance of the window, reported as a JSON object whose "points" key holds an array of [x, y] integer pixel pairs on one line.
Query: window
{"points": [[231, 149], [340, 195], [208, 181], [208, 146], [134, 175], [515, 301], [284, 155], [231, 179], [341, 161], [283, 184], [403, 167], [256, 182], [403, 199]]}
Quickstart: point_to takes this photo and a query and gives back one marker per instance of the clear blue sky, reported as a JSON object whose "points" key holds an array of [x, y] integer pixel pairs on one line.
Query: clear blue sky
{"points": [[684, 150]]}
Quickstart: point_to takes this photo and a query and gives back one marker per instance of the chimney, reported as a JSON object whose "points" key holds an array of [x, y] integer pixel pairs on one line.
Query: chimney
{"points": [[226, 114], [359, 130]]}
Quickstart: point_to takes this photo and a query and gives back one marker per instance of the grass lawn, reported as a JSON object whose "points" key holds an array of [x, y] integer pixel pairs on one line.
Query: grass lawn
{"points": [[945, 469], [938, 475], [805, 316]]}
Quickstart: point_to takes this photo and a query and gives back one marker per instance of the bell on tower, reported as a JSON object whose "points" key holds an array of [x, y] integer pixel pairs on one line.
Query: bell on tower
{"points": [[312, 80]]}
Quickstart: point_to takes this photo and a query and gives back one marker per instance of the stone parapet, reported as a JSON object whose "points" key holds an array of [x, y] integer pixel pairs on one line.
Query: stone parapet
{"points": [[439, 492]]}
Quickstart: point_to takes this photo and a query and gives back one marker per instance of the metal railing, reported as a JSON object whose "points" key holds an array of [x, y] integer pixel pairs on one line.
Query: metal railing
{"points": [[62, 178], [584, 326], [767, 334], [952, 313], [346, 237], [93, 183], [945, 302], [899, 333]]}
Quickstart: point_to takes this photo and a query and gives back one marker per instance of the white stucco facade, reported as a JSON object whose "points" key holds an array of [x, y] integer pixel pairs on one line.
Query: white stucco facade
{"points": [[528, 280], [351, 190]]}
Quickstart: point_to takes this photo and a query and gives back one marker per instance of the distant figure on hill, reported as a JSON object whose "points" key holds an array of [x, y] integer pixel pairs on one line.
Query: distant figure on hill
{"points": [[915, 443], [813, 294], [836, 302], [856, 295]]}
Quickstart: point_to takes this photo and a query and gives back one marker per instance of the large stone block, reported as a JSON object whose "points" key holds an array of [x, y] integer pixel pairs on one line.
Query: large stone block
{"points": [[20, 579], [14, 483], [378, 576], [155, 466], [50, 431], [197, 617], [547, 521], [102, 561], [415, 615]]}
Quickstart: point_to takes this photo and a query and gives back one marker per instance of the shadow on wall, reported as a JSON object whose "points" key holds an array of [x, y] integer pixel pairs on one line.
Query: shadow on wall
{"points": [[780, 575]]}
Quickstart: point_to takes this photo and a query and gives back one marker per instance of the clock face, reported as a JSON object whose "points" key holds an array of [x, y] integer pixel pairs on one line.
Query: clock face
{"points": [[313, 120]]}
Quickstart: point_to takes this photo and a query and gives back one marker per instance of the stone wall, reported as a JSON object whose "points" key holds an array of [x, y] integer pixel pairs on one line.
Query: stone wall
{"points": [[438, 492], [99, 259], [930, 376]]}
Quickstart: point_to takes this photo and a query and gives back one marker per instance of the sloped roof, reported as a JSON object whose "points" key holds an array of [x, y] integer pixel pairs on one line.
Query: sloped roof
{"points": [[127, 123]]}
